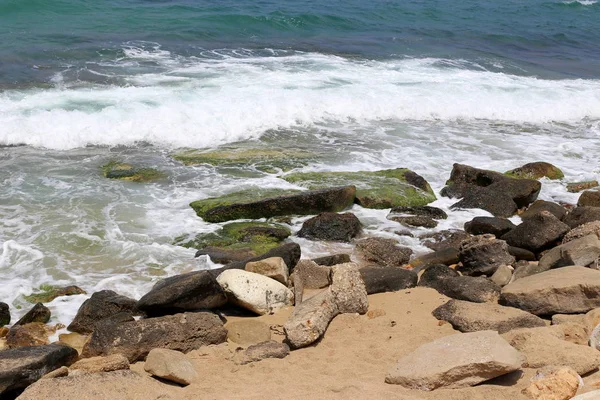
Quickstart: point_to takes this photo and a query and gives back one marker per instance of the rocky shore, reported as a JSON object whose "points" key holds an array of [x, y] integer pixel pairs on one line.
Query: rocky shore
{"points": [[504, 309]]}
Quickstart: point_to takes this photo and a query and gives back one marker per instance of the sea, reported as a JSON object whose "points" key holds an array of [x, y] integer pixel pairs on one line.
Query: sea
{"points": [[369, 85]]}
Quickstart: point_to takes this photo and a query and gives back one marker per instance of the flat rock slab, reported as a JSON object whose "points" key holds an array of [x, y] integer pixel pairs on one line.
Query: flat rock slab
{"points": [[455, 361], [171, 365], [466, 316], [566, 290], [114, 362]]}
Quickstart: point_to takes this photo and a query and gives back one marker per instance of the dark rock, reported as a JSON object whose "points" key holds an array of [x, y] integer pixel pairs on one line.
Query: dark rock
{"points": [[521, 254], [182, 332], [301, 203], [589, 198], [4, 314], [264, 350], [415, 221], [469, 288], [537, 233], [582, 251], [541, 205], [444, 239], [536, 170], [446, 256], [290, 252], [498, 204], [119, 318], [39, 313], [581, 215], [387, 279], [331, 226], [187, 292], [383, 252], [101, 305], [483, 254], [491, 225], [21, 367], [590, 228], [422, 211], [221, 255], [51, 293], [524, 268], [332, 260], [434, 273], [575, 187]]}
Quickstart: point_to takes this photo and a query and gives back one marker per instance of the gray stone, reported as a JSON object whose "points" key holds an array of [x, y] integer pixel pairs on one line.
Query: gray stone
{"points": [[171, 365], [434, 273], [101, 305], [274, 268], [309, 275], [538, 232], [521, 254], [264, 350], [331, 226], [385, 252], [524, 269], [483, 254], [503, 275], [476, 289], [581, 215], [387, 279], [4, 314], [348, 289], [39, 313], [582, 251], [333, 259], [541, 205], [491, 225]]}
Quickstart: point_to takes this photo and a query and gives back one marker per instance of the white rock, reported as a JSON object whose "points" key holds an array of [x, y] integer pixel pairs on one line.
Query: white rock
{"points": [[273, 267], [171, 365]]}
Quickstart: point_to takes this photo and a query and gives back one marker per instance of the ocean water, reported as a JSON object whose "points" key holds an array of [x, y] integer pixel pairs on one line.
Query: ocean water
{"points": [[379, 84]]}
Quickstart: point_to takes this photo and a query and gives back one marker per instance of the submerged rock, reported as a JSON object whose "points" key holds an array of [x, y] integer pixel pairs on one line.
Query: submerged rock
{"points": [[536, 170], [127, 172], [38, 313], [48, 293], [581, 186]]}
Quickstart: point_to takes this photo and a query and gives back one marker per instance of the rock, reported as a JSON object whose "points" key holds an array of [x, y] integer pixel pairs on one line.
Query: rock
{"points": [[469, 288], [183, 332], [385, 252], [537, 232], [377, 189], [579, 186], [541, 205], [127, 172], [432, 276], [591, 228], [466, 316], [309, 320], [593, 395], [290, 252], [521, 254], [503, 275], [557, 384], [309, 275], [264, 350], [387, 279], [113, 362], [581, 215], [348, 289], [253, 204], [187, 292], [31, 334], [74, 340], [221, 255], [39, 313], [524, 268], [499, 204], [536, 170], [49, 293], [564, 290], [274, 268], [170, 365], [542, 348], [443, 239], [482, 255], [255, 292], [21, 367], [248, 331], [446, 256], [333, 259], [589, 198], [331, 226], [582, 251], [421, 211], [4, 314], [415, 221], [491, 225], [455, 361], [57, 373], [101, 305]]}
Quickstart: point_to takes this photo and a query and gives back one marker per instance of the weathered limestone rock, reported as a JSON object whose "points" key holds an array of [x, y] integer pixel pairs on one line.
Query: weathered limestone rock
{"points": [[348, 289], [591, 228], [274, 268], [31, 334], [443, 239], [255, 292], [113, 362], [331, 226], [466, 316], [387, 279], [491, 225], [482, 255], [309, 275], [503, 275], [446, 256], [556, 384], [183, 332], [456, 361], [171, 365], [101, 305], [385, 252], [537, 232], [524, 269], [582, 251], [536, 170], [248, 331], [310, 319], [564, 290], [57, 373], [39, 313], [589, 198], [541, 205], [261, 351]]}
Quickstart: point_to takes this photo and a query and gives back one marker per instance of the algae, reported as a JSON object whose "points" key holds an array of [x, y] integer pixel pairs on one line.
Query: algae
{"points": [[47, 293], [127, 172]]}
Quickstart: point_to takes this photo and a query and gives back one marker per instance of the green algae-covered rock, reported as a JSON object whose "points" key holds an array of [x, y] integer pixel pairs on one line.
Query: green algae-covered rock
{"points": [[536, 170], [127, 172], [255, 238], [47, 293], [257, 203], [379, 189]]}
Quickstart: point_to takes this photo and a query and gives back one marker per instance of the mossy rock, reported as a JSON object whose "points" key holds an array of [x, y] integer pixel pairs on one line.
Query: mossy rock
{"points": [[259, 203], [47, 293], [127, 172], [263, 159], [536, 170], [379, 189], [256, 237]]}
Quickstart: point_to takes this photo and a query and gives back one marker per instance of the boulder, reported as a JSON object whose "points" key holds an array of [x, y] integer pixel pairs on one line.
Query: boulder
{"points": [[21, 367], [491, 225], [248, 331], [183, 332], [483, 254], [310, 319], [4, 314], [455, 361], [290, 252], [309, 275], [415, 221], [466, 316], [50, 293], [101, 305], [264, 350], [576, 187], [536, 170], [591, 228], [582, 251], [541, 205], [39, 313], [589, 198], [524, 268], [432, 276], [31, 334], [420, 211], [252, 205], [387, 279], [566, 290], [476, 289], [92, 365], [374, 189], [274, 268], [556, 384], [521, 254], [348, 289], [220, 255], [333, 259], [187, 292], [385, 252], [255, 292], [446, 256], [171, 365], [499, 204], [581, 215], [331, 226], [443, 239], [537, 233], [503, 275]]}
